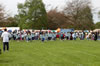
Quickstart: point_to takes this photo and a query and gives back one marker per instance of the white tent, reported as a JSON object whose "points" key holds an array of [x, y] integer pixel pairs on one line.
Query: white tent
{"points": [[10, 28]]}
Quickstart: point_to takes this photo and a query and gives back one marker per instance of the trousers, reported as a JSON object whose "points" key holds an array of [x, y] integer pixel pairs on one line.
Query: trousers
{"points": [[5, 46]]}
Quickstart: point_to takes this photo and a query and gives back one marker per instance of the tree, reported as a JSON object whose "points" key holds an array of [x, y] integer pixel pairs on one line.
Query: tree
{"points": [[2, 17], [79, 13], [57, 19], [5, 20], [11, 22], [32, 14], [97, 25], [99, 14]]}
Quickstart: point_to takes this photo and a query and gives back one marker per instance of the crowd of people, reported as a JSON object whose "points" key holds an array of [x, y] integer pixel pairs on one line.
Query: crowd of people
{"points": [[48, 36], [44, 36]]}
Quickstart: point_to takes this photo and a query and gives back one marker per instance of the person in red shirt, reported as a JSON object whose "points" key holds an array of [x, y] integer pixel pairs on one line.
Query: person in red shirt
{"points": [[57, 36]]}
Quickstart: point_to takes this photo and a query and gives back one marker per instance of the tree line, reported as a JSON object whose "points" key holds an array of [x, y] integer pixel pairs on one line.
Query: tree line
{"points": [[32, 14]]}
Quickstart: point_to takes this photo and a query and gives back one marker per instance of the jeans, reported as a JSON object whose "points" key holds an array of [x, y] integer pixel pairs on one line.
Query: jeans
{"points": [[5, 45]]}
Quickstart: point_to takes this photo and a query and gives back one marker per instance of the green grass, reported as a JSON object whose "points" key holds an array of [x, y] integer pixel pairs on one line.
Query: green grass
{"points": [[52, 53]]}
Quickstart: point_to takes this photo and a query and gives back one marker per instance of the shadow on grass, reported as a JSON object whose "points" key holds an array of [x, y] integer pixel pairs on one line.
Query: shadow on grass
{"points": [[5, 61]]}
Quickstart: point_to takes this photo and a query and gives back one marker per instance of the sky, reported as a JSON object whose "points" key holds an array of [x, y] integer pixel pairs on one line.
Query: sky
{"points": [[11, 6]]}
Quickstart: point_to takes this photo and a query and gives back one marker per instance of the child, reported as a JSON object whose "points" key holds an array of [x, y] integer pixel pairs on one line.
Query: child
{"points": [[18, 36], [54, 36], [74, 36], [61, 36], [46, 36], [27, 37], [33, 36], [49, 36], [23, 36], [43, 37]]}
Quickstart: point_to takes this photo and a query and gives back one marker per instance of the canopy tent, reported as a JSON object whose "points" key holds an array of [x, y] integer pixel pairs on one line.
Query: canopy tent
{"points": [[78, 31], [86, 31], [96, 30], [10, 31], [10, 28], [66, 30]]}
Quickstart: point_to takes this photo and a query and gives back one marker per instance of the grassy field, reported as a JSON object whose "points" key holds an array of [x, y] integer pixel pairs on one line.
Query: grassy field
{"points": [[52, 53]]}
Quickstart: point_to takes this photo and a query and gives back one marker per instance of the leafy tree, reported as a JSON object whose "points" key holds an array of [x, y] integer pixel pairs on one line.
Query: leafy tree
{"points": [[97, 25], [99, 14], [32, 14]]}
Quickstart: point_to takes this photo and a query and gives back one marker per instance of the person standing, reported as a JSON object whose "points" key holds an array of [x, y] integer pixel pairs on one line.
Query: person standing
{"points": [[96, 36], [0, 51], [5, 35]]}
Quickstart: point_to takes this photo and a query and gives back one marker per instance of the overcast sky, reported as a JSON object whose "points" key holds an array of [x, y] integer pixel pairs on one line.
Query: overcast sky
{"points": [[11, 5]]}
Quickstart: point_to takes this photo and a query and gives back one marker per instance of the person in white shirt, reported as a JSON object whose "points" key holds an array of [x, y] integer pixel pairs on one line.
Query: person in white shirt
{"points": [[5, 35]]}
